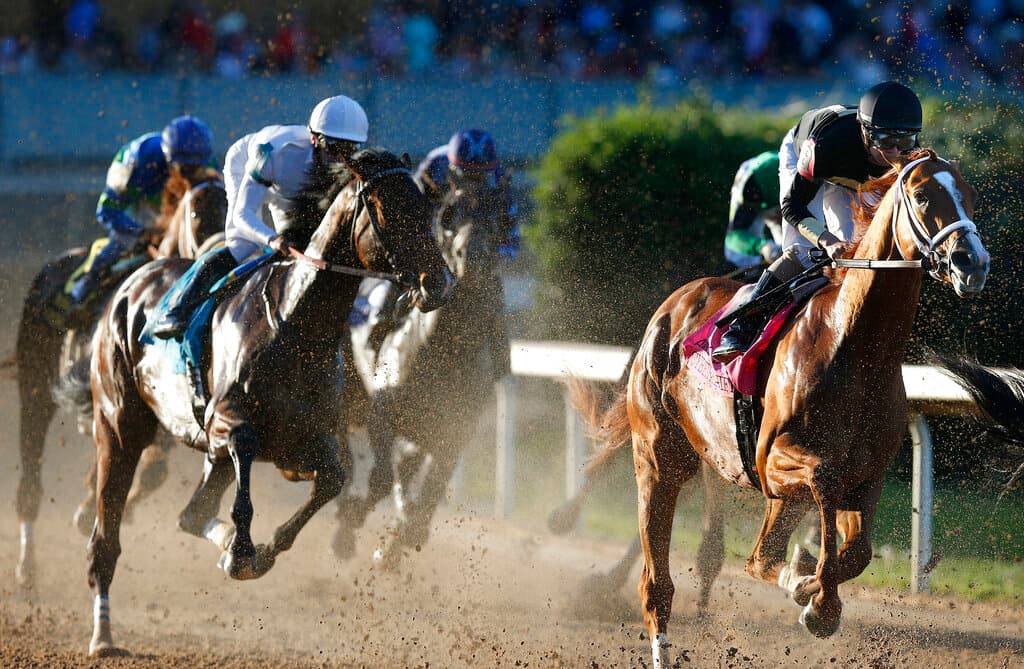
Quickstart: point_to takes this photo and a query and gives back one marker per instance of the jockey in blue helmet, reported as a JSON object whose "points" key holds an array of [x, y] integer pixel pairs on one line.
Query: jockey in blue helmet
{"points": [[470, 161], [134, 188]]}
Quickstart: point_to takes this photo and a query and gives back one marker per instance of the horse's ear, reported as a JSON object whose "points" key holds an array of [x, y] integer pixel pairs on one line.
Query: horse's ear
{"points": [[407, 161]]}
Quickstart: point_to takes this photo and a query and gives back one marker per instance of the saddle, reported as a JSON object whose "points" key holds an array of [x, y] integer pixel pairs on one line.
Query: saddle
{"points": [[60, 310], [191, 354], [738, 378]]}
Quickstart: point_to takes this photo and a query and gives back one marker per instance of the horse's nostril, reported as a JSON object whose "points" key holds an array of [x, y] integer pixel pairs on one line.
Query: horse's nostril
{"points": [[961, 259]]}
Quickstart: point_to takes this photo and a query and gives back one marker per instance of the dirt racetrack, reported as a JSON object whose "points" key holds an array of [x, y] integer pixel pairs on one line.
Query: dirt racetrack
{"points": [[482, 593]]}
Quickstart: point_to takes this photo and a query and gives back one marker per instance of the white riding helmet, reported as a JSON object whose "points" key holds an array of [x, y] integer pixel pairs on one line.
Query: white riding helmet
{"points": [[339, 117]]}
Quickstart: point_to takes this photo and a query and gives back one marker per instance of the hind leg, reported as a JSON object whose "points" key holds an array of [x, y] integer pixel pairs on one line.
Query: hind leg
{"points": [[119, 443], [711, 553], [663, 460], [37, 355], [199, 517], [353, 511]]}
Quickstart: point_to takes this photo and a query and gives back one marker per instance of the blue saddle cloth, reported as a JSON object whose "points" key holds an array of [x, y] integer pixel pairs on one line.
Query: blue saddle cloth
{"points": [[188, 351]]}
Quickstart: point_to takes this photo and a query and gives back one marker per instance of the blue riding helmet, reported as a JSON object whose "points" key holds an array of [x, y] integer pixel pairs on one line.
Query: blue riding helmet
{"points": [[187, 141], [472, 150]]}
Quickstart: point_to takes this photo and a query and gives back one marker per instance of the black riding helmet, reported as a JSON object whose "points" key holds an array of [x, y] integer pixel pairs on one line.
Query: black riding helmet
{"points": [[892, 107]]}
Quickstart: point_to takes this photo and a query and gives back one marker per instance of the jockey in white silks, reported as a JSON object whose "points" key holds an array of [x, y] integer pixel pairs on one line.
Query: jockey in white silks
{"points": [[269, 167]]}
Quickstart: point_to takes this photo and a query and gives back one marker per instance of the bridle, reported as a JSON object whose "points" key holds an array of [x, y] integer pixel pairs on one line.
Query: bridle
{"points": [[366, 189], [936, 262]]}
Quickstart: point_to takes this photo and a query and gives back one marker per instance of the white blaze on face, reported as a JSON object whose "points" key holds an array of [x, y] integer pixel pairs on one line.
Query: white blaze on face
{"points": [[949, 183]]}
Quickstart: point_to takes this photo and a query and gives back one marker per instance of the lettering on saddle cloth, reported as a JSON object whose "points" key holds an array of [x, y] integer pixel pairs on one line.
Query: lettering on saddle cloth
{"points": [[737, 378]]}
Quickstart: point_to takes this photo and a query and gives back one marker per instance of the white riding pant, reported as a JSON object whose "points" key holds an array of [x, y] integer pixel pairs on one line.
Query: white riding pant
{"points": [[833, 205]]}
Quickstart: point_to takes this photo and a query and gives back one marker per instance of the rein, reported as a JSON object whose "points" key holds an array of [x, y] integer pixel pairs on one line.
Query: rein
{"points": [[327, 266]]}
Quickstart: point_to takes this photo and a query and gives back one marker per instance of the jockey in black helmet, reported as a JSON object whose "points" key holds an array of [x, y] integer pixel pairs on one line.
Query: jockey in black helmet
{"points": [[822, 161]]}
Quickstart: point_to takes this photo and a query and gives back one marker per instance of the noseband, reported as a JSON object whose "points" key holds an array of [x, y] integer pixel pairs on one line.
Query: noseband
{"points": [[936, 262]]}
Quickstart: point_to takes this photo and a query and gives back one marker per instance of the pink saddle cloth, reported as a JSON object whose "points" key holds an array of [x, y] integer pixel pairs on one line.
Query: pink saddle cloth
{"points": [[740, 374]]}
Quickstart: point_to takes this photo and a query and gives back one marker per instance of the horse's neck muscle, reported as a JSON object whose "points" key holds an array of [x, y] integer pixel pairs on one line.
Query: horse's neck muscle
{"points": [[878, 304]]}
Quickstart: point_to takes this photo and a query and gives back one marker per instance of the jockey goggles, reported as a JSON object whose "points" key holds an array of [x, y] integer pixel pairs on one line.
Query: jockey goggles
{"points": [[889, 140], [333, 144]]}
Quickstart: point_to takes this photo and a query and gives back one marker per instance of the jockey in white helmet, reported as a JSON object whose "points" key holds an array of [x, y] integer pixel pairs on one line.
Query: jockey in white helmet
{"points": [[270, 166]]}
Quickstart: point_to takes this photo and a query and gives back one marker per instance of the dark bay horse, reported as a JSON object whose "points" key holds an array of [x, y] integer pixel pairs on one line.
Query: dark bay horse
{"points": [[53, 353], [273, 376], [832, 394], [431, 380]]}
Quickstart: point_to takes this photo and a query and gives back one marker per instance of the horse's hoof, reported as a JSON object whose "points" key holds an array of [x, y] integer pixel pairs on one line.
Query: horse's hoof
{"points": [[84, 519], [107, 650], [819, 627], [24, 577], [247, 568]]}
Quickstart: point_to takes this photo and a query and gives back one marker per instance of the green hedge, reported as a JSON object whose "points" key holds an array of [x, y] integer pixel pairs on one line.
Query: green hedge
{"points": [[632, 204]]}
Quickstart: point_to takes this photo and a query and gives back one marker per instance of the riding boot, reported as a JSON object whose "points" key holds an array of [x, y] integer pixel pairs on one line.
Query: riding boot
{"points": [[745, 329], [86, 284], [211, 267]]}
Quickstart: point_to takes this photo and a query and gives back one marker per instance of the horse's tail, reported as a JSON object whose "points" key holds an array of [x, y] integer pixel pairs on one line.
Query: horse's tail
{"points": [[608, 424], [73, 392], [606, 421], [999, 395]]}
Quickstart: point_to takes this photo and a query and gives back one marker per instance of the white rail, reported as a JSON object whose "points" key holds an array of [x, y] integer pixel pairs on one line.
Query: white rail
{"points": [[929, 392]]}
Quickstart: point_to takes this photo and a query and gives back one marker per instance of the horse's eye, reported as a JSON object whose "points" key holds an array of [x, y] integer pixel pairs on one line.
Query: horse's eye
{"points": [[921, 199]]}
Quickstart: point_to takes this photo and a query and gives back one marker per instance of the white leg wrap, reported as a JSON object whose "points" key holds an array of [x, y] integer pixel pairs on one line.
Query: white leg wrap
{"points": [[101, 609], [25, 534], [219, 532], [659, 651]]}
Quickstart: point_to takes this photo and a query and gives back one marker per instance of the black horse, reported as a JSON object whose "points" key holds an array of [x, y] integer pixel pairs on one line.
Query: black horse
{"points": [[273, 372], [52, 351], [431, 378]]}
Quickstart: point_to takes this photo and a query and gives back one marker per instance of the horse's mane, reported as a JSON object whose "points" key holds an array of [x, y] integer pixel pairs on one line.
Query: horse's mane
{"points": [[323, 184], [175, 189], [871, 193]]}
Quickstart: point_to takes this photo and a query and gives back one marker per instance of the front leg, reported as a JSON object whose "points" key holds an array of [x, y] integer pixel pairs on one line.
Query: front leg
{"points": [[199, 518], [240, 561], [327, 482]]}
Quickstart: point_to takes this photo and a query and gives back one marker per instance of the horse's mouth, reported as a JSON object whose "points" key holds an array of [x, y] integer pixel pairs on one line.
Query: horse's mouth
{"points": [[969, 283]]}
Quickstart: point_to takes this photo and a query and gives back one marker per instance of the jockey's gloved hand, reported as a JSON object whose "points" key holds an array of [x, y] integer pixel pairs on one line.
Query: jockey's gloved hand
{"points": [[833, 246], [280, 244]]}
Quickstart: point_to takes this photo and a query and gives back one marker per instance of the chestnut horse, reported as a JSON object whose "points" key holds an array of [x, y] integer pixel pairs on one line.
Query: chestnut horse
{"points": [[274, 376], [53, 355], [431, 379], [831, 389]]}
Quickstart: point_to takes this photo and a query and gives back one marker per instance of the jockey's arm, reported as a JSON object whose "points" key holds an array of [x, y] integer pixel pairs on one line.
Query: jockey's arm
{"points": [[795, 210], [248, 219], [112, 212]]}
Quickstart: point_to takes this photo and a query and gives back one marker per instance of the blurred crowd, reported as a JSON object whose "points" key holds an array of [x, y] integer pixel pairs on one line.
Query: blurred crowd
{"points": [[666, 41]]}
